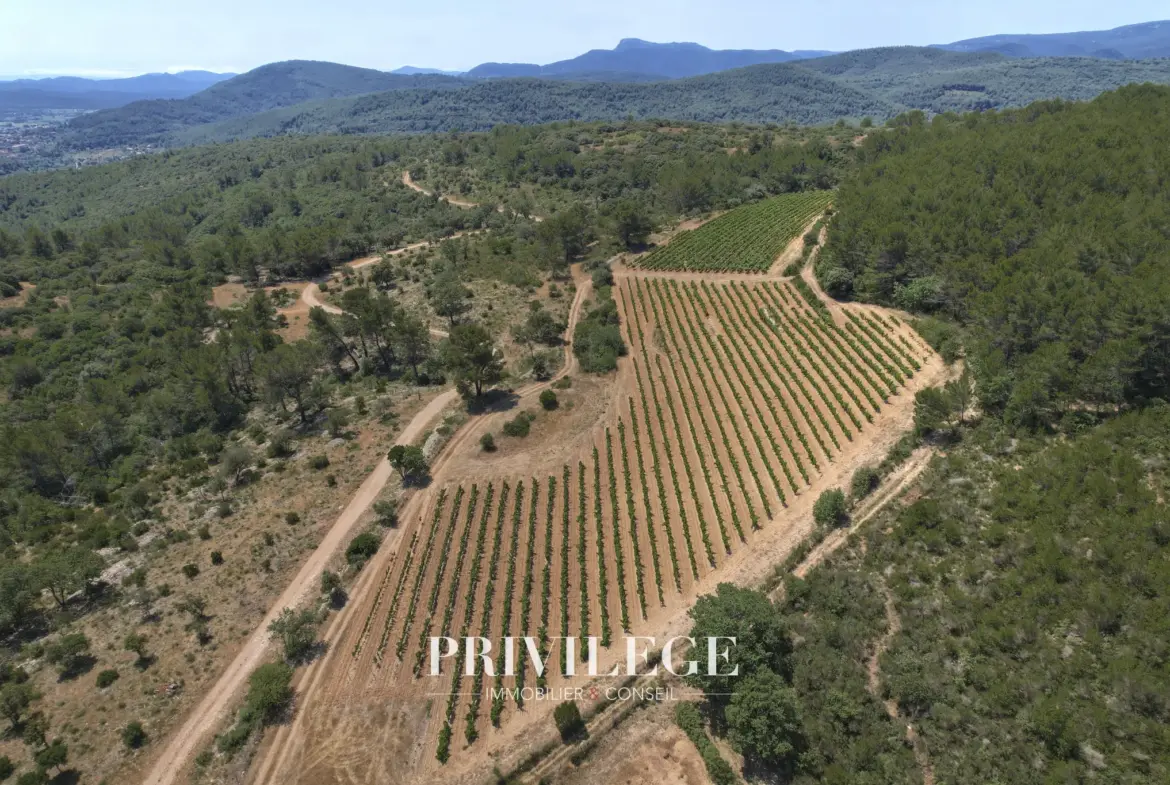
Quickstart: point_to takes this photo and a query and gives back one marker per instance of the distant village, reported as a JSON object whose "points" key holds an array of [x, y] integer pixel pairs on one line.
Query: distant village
{"points": [[29, 141]]}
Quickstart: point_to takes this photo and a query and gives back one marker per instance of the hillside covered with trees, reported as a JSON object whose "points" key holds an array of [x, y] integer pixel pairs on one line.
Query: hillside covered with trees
{"points": [[1004, 619], [259, 90], [308, 98], [1042, 231]]}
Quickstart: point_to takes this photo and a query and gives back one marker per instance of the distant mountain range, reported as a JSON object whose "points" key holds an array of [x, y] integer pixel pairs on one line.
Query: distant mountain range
{"points": [[73, 92], [410, 70], [635, 56], [637, 60], [267, 87], [1132, 42], [305, 97], [677, 81]]}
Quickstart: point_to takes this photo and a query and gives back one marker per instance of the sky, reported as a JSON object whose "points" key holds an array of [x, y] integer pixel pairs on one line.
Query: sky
{"points": [[106, 38]]}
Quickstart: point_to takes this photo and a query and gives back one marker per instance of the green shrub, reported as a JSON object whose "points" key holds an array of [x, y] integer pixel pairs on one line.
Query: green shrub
{"points": [[281, 444], [70, 653], [106, 678], [134, 735], [330, 581], [6, 767], [944, 337], [864, 481], [387, 512], [318, 462], [487, 442], [519, 426], [190, 570], [597, 339], [691, 722], [362, 549], [548, 399], [569, 722], [292, 518], [830, 508], [297, 631], [269, 692], [234, 738], [216, 558]]}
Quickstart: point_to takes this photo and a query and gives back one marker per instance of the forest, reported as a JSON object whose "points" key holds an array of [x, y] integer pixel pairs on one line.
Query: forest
{"points": [[1042, 231], [1028, 586]]}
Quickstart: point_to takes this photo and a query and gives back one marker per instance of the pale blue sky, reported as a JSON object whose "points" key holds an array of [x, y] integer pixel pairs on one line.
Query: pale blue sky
{"points": [[123, 37]]}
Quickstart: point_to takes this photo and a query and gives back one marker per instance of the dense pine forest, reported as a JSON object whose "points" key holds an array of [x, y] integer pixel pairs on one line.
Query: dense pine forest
{"points": [[1042, 231]]}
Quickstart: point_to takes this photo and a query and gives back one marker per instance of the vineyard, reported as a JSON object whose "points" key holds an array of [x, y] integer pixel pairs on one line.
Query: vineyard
{"points": [[735, 397], [745, 240]]}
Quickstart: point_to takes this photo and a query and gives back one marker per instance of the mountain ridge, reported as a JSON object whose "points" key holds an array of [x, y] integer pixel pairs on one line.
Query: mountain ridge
{"points": [[636, 56], [877, 83], [1131, 42], [81, 93], [301, 97]]}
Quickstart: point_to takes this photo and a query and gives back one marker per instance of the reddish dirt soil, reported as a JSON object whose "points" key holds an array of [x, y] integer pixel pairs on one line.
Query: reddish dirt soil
{"points": [[344, 692], [18, 300]]}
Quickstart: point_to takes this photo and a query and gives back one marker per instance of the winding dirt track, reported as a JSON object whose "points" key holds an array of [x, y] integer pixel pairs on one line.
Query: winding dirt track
{"points": [[212, 712], [893, 627], [313, 684], [411, 184], [217, 704], [310, 297]]}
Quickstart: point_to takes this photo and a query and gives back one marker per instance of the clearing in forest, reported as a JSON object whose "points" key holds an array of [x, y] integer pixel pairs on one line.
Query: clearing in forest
{"points": [[735, 398], [747, 239]]}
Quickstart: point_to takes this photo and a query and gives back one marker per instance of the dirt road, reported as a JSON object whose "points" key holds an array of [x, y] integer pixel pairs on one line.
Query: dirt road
{"points": [[893, 487], [315, 683], [212, 712], [310, 297], [409, 183]]}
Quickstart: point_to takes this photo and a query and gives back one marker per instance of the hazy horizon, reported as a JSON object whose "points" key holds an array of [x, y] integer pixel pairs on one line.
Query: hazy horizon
{"points": [[70, 38]]}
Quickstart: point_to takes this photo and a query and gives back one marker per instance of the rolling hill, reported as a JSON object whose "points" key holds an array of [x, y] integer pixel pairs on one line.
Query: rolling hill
{"points": [[768, 92], [1134, 42], [268, 87], [310, 97], [878, 83], [936, 80]]}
